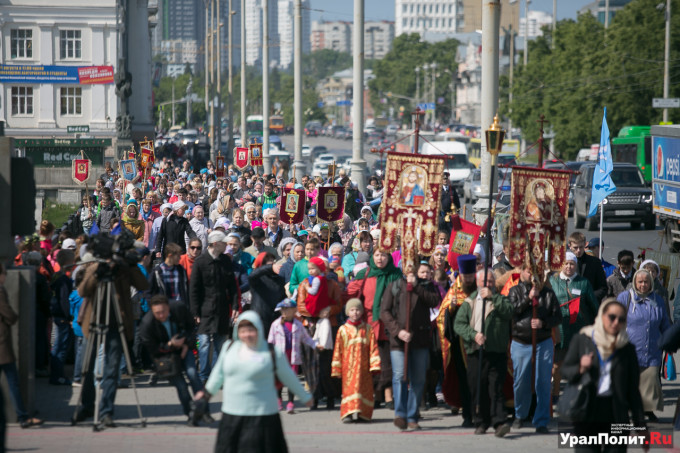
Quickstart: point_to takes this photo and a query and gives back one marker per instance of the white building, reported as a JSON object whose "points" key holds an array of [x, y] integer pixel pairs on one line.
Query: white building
{"points": [[378, 37], [254, 34], [418, 16], [73, 33], [537, 19], [286, 20], [177, 51], [57, 66]]}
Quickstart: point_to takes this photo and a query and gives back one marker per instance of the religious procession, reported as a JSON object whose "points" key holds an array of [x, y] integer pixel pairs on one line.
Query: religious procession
{"points": [[289, 295]]}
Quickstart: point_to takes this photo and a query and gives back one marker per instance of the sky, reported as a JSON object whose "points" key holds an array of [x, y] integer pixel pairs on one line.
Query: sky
{"points": [[384, 9]]}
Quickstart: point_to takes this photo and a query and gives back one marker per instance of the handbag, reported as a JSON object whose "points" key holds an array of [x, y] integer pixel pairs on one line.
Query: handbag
{"points": [[575, 402], [168, 365]]}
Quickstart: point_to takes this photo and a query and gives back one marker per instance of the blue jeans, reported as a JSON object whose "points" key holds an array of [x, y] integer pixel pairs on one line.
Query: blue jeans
{"points": [[407, 400], [189, 365], [60, 348], [204, 341], [109, 383], [192, 372], [78, 365], [521, 365], [10, 370]]}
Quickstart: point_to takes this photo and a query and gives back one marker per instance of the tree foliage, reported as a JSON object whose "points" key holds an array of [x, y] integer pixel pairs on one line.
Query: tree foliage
{"points": [[395, 74], [590, 68]]}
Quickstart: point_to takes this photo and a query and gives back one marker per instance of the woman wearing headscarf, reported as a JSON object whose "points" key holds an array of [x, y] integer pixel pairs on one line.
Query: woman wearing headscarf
{"points": [[346, 231], [266, 288], [363, 242], [658, 288], [579, 307], [369, 286], [246, 370], [297, 251], [148, 215], [284, 249], [605, 352], [133, 221], [647, 321]]}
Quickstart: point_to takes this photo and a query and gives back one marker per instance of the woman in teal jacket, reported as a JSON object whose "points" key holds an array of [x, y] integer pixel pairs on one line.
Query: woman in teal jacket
{"points": [[245, 372], [568, 286]]}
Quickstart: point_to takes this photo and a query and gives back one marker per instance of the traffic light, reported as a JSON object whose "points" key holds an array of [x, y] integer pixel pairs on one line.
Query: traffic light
{"points": [[23, 196]]}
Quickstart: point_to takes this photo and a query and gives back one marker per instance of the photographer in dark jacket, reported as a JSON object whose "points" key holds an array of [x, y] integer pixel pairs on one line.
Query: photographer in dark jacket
{"points": [[173, 229], [124, 276], [214, 296], [168, 329], [529, 293], [588, 266], [423, 296]]}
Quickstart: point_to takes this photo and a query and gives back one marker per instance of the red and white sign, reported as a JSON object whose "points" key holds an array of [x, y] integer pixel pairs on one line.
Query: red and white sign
{"points": [[91, 75]]}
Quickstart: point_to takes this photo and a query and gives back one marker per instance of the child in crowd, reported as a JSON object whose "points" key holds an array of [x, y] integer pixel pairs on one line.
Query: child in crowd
{"points": [[355, 357], [75, 302], [286, 334], [317, 293]]}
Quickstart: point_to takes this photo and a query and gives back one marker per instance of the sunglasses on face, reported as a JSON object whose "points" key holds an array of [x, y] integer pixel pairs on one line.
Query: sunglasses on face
{"points": [[612, 317], [196, 248]]}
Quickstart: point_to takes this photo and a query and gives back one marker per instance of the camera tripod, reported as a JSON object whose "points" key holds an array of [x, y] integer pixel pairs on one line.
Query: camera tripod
{"points": [[104, 302]]}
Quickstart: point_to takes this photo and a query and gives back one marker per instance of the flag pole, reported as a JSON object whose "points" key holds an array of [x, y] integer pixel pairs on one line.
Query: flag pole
{"points": [[601, 221]]}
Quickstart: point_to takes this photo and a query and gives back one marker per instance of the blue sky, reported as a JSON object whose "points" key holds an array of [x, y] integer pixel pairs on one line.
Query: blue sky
{"points": [[384, 9]]}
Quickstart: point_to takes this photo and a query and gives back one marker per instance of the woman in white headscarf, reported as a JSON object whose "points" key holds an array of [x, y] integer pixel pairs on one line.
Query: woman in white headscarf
{"points": [[604, 351], [647, 320]]}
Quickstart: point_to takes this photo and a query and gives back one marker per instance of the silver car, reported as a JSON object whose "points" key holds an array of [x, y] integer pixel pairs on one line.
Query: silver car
{"points": [[472, 187]]}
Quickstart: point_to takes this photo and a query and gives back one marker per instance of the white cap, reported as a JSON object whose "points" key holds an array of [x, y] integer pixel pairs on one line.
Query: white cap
{"points": [[216, 236], [569, 256], [68, 243], [316, 229], [177, 205], [165, 206]]}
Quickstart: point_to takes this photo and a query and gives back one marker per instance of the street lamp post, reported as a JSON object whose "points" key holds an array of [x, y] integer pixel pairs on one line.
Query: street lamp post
{"points": [[434, 94], [417, 85]]}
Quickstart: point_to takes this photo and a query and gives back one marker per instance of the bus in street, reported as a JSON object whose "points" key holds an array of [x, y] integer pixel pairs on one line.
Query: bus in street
{"points": [[634, 145], [509, 152], [254, 125], [276, 125]]}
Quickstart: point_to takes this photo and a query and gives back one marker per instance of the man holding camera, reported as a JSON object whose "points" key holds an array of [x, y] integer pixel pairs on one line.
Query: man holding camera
{"points": [[167, 333], [124, 276]]}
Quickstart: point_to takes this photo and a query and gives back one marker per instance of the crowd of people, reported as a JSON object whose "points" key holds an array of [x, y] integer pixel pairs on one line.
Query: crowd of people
{"points": [[219, 277]]}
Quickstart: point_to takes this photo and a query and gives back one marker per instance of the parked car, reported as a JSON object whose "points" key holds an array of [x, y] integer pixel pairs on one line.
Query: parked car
{"points": [[306, 151], [632, 201], [318, 150], [574, 166], [472, 187], [313, 128]]}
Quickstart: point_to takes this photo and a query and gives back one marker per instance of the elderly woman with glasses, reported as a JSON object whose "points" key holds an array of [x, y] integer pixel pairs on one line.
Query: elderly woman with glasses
{"points": [[605, 352], [647, 321]]}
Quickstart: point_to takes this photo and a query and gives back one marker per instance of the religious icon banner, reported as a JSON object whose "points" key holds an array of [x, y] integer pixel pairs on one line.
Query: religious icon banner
{"points": [[410, 208], [330, 204], [293, 202], [241, 157], [80, 170], [464, 237], [131, 154], [219, 166], [538, 216], [256, 154], [129, 169], [147, 154]]}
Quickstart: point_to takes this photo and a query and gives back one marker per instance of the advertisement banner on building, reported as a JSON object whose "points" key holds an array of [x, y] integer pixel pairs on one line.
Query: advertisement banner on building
{"points": [[82, 75]]}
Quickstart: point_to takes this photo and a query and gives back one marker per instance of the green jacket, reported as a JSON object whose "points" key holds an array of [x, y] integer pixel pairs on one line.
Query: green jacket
{"points": [[496, 325], [300, 272], [578, 287]]}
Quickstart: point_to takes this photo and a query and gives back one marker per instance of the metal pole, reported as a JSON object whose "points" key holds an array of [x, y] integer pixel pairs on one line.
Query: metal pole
{"points": [[212, 77], [231, 79], [554, 23], [218, 107], [512, 70], [434, 99], [358, 164], [490, 33], [244, 132], [298, 163], [206, 54], [265, 87], [606, 14], [173, 101], [417, 85], [666, 57], [526, 32]]}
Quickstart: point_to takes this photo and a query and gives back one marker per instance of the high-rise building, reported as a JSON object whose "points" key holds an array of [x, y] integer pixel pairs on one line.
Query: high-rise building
{"points": [[337, 35], [598, 8], [537, 19], [419, 16], [254, 35], [378, 37], [286, 20]]}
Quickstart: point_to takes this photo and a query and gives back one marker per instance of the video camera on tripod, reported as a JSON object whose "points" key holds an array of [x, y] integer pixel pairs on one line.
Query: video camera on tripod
{"points": [[106, 247]]}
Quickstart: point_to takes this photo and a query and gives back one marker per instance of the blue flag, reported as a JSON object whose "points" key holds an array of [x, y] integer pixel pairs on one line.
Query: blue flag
{"points": [[602, 181]]}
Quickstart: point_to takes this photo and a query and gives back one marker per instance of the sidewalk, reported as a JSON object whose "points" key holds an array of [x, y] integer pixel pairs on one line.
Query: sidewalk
{"points": [[306, 431]]}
